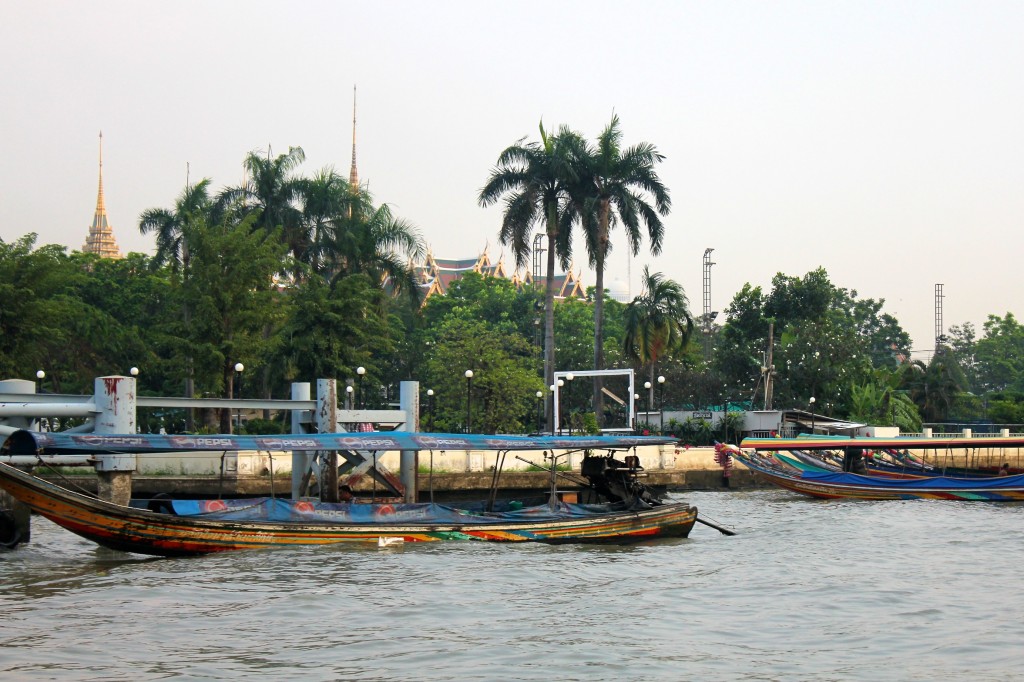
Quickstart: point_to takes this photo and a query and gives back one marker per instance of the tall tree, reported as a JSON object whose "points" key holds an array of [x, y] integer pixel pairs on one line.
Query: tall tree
{"points": [[371, 240], [616, 185], [325, 197], [273, 192], [230, 291], [658, 322], [534, 179], [174, 230], [172, 226]]}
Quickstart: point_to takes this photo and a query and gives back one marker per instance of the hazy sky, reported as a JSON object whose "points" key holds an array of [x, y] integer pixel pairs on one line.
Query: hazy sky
{"points": [[881, 141]]}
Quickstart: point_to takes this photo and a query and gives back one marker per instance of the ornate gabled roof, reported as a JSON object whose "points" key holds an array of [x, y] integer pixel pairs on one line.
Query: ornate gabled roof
{"points": [[100, 239], [435, 275]]}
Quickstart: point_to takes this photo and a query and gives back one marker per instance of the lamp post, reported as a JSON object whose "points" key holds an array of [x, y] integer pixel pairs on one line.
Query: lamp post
{"points": [[552, 424], [239, 368], [636, 404], [568, 399], [661, 405], [647, 389], [40, 375], [560, 384], [810, 408], [351, 401], [540, 407], [360, 371], [430, 409], [469, 401]]}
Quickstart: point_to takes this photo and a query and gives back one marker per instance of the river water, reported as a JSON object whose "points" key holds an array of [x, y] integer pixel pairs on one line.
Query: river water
{"points": [[806, 590]]}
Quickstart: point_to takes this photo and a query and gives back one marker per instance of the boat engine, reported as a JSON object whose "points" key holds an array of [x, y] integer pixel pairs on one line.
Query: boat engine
{"points": [[616, 480]]}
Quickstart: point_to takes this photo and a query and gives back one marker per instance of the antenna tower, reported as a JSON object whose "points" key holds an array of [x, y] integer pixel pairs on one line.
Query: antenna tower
{"points": [[538, 257], [708, 316], [939, 336]]}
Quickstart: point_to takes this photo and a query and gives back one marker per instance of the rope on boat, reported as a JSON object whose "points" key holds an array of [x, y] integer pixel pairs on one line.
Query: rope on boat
{"points": [[68, 481]]}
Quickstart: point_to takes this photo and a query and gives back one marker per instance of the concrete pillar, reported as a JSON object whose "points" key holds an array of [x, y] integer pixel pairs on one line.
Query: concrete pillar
{"points": [[927, 432], [409, 402], [1004, 433], [18, 517], [967, 433], [300, 460], [327, 422], [115, 406]]}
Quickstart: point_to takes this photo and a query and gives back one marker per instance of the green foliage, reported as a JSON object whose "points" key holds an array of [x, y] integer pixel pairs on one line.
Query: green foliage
{"points": [[826, 340], [504, 382], [658, 322], [264, 426], [332, 328], [1000, 354], [491, 299], [230, 294]]}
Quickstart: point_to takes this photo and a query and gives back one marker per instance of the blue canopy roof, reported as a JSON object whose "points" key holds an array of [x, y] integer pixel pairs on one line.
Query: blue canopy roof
{"points": [[32, 442]]}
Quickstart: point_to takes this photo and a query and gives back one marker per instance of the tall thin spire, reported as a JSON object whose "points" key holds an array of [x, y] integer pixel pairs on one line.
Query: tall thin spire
{"points": [[353, 174], [101, 236]]}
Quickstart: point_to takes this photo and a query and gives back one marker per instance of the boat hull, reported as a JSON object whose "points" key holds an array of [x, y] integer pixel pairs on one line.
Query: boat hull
{"points": [[146, 532], [827, 485]]}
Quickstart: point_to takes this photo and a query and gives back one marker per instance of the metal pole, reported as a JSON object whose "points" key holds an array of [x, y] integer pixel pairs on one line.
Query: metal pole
{"points": [[661, 405], [540, 403], [469, 401], [300, 460]]}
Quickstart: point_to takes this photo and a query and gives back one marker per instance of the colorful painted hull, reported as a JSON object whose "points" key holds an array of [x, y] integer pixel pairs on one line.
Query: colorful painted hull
{"points": [[896, 443], [831, 485], [146, 532]]}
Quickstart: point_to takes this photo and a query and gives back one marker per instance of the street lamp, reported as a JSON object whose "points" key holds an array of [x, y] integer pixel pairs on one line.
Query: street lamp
{"points": [[40, 375], [661, 404], [469, 401], [239, 368], [647, 388], [810, 408], [360, 371], [540, 406], [560, 385], [349, 391], [636, 405], [552, 424], [430, 409], [134, 371], [568, 399]]}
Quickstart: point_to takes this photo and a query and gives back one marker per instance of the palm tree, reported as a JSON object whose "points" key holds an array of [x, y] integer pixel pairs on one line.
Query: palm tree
{"points": [[616, 186], [369, 240], [274, 193], [171, 226], [325, 197], [534, 178], [658, 322]]}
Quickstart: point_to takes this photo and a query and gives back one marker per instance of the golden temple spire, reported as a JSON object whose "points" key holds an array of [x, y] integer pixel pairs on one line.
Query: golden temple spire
{"points": [[353, 175], [101, 236]]}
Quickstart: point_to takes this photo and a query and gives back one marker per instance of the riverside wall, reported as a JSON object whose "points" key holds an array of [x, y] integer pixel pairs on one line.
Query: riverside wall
{"points": [[461, 474], [454, 474]]}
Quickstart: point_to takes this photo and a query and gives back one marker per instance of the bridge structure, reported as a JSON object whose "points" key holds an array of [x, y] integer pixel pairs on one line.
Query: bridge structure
{"points": [[112, 409]]}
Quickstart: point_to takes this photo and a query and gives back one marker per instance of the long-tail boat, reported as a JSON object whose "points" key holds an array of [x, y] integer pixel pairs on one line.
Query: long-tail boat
{"points": [[630, 512], [845, 485]]}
